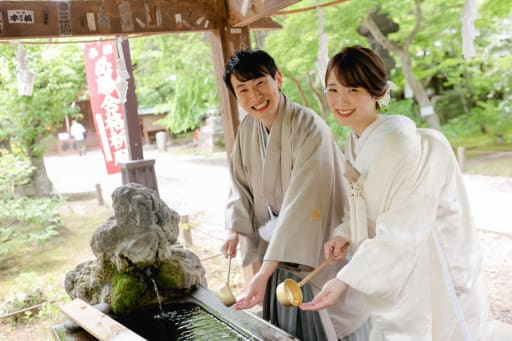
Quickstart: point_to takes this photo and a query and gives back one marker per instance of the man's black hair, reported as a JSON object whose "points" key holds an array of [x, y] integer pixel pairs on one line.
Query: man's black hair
{"points": [[249, 64]]}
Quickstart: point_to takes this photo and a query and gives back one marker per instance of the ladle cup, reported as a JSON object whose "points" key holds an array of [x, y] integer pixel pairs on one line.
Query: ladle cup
{"points": [[289, 292], [224, 291]]}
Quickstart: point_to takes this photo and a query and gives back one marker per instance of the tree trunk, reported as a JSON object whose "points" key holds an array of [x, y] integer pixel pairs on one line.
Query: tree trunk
{"points": [[302, 95], [402, 51], [419, 91], [319, 97], [41, 184]]}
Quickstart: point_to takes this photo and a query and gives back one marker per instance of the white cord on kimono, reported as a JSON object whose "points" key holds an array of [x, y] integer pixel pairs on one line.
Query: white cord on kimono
{"points": [[357, 205]]}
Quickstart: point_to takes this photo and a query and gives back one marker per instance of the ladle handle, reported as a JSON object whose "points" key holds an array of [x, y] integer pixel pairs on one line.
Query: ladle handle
{"points": [[321, 266], [229, 270]]}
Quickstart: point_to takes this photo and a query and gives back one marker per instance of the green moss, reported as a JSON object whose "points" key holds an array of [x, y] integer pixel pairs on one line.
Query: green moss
{"points": [[125, 292], [170, 276]]}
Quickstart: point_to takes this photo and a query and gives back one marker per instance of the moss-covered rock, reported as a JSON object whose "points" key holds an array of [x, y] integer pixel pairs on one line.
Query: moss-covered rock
{"points": [[170, 275], [126, 290]]}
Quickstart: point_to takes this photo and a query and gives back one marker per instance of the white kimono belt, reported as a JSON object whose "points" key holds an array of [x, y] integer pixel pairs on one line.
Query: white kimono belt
{"points": [[357, 205]]}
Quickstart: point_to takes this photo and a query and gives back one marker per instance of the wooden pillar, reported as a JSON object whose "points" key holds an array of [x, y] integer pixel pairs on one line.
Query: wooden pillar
{"points": [[135, 169], [133, 138], [225, 41]]}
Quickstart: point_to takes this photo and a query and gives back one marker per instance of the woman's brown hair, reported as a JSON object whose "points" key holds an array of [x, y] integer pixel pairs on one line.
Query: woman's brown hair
{"points": [[357, 66]]}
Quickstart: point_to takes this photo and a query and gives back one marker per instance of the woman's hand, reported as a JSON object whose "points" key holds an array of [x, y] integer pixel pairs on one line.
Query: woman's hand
{"points": [[329, 294], [255, 293], [334, 247], [230, 245]]}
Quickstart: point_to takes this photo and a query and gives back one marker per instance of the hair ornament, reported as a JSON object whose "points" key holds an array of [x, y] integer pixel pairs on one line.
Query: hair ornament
{"points": [[386, 98]]}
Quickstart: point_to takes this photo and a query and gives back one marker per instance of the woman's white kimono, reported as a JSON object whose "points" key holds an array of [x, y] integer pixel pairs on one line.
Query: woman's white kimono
{"points": [[415, 252], [300, 179]]}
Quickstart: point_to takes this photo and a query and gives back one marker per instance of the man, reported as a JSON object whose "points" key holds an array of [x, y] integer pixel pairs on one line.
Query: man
{"points": [[77, 132], [286, 187]]}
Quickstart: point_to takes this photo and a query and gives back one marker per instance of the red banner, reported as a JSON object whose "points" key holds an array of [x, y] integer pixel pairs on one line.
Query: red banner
{"points": [[106, 105]]}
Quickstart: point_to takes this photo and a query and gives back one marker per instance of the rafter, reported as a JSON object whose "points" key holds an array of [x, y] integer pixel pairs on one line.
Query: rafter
{"points": [[245, 12]]}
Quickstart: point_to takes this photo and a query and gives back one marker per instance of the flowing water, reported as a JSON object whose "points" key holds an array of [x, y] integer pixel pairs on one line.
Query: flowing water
{"points": [[182, 321], [157, 295]]}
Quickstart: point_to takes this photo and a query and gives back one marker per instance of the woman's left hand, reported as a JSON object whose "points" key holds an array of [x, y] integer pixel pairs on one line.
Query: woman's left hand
{"points": [[329, 294]]}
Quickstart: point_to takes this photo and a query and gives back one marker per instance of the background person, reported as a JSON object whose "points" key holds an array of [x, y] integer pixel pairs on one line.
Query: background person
{"points": [[415, 253], [77, 132], [285, 175]]}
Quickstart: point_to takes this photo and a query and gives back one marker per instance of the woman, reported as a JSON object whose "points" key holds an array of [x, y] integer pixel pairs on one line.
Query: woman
{"points": [[414, 250]]}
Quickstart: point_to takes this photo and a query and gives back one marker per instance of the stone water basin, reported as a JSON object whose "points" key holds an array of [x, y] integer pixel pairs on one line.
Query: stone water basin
{"points": [[200, 316]]}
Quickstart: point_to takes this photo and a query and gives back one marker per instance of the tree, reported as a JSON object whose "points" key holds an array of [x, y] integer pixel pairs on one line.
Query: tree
{"points": [[402, 51], [175, 74], [28, 121]]}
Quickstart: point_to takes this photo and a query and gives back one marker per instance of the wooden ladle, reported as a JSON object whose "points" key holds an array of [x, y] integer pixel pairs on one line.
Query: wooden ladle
{"points": [[224, 291], [289, 292]]}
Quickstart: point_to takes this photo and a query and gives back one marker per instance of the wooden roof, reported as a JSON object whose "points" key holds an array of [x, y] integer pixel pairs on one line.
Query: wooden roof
{"points": [[34, 19]]}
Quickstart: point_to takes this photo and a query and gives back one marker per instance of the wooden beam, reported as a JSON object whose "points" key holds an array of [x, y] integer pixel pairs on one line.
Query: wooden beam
{"points": [[33, 19], [245, 12], [264, 24]]}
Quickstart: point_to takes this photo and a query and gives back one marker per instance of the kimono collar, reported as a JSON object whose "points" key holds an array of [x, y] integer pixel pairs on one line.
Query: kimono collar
{"points": [[278, 156], [357, 142]]}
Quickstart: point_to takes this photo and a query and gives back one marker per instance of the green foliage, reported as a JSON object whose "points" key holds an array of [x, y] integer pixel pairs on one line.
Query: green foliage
{"points": [[22, 219], [175, 74], [20, 301], [36, 220], [28, 293], [59, 81], [14, 171]]}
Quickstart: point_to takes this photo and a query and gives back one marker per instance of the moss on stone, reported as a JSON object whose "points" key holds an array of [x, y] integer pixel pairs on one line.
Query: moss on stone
{"points": [[126, 289], [170, 276]]}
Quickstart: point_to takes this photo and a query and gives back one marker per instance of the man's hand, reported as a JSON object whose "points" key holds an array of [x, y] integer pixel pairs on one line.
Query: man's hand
{"points": [[329, 294], [255, 292], [230, 245], [334, 247]]}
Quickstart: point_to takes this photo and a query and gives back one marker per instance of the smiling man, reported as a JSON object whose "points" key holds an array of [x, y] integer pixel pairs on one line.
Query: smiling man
{"points": [[285, 199]]}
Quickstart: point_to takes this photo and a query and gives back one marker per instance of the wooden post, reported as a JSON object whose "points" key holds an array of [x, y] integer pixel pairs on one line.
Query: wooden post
{"points": [[133, 138], [461, 156], [99, 195], [225, 42], [186, 230]]}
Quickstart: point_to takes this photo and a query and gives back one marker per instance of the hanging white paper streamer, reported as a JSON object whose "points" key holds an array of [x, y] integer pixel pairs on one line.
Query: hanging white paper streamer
{"points": [[469, 14], [122, 73], [245, 7], [25, 76]]}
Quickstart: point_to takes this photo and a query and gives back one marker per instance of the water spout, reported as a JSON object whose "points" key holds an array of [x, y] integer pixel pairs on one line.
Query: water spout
{"points": [[149, 271]]}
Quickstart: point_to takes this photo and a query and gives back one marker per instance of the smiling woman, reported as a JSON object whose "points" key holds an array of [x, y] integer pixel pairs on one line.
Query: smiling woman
{"points": [[409, 221]]}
